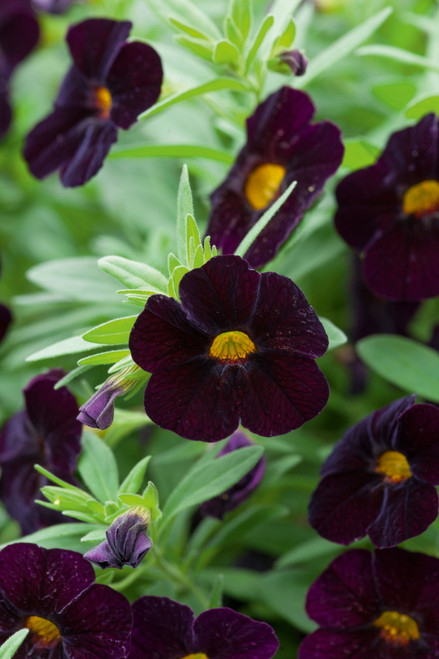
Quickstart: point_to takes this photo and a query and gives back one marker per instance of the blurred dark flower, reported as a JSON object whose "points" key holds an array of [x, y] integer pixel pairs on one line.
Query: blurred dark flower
{"points": [[19, 33], [380, 480], [5, 320], [52, 6], [52, 593], [165, 629], [390, 213], [98, 411], [282, 147], [45, 432], [295, 60], [110, 83], [235, 495], [126, 543], [380, 605], [240, 346]]}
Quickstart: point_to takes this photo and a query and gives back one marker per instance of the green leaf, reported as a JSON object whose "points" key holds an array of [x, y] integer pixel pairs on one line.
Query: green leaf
{"points": [[171, 151], [396, 95], [208, 479], [260, 35], [212, 86], [131, 484], [133, 274], [234, 530], [126, 422], [254, 232], [75, 373], [423, 107], [177, 276], [184, 208], [400, 55], [53, 532], [310, 550], [232, 33], [112, 332], [108, 357], [69, 346], [193, 232], [342, 47], [200, 47], [285, 40], [284, 591], [359, 154], [189, 13], [97, 535], [226, 53], [173, 261], [191, 31], [10, 647], [403, 362], [98, 468], [241, 13], [335, 335], [216, 595]]}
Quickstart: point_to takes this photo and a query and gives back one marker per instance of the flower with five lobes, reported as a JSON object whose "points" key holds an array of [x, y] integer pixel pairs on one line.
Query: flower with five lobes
{"points": [[165, 629], [109, 84], [239, 348], [380, 605]]}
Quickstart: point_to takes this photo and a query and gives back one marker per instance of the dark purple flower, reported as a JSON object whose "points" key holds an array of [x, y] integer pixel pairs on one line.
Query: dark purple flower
{"points": [[5, 320], [126, 543], [380, 478], [19, 33], [98, 411], [165, 629], [390, 213], [282, 146], [240, 347], [295, 60], [110, 83], [235, 495], [52, 6], [45, 432], [52, 593], [380, 605]]}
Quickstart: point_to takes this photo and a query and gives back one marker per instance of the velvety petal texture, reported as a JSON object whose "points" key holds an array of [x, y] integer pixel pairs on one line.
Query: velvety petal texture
{"points": [[110, 83], [235, 495], [380, 480], [389, 212], [239, 347], [279, 133], [165, 629], [381, 605], [56, 585], [46, 432]]}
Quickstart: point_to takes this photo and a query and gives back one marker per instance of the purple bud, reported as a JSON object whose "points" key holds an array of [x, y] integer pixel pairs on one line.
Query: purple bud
{"points": [[98, 411], [295, 60]]}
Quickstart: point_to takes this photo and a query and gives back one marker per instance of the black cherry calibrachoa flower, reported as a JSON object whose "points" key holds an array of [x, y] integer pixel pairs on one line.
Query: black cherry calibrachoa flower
{"points": [[19, 33], [381, 605], [110, 83], [53, 594], [282, 146], [240, 347], [46, 432], [380, 480], [238, 493], [390, 213], [165, 629]]}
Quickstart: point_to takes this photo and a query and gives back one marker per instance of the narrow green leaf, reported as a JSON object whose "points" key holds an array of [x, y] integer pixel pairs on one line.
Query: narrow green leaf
{"points": [[184, 208], [54, 532], [310, 550], [54, 479], [241, 13], [177, 276], [216, 595], [400, 55], [98, 468], [131, 484], [191, 31], [133, 274], [97, 535], [403, 362], [188, 12], [198, 259], [192, 231], [335, 335], [265, 26], [173, 262], [112, 332], [70, 346], [10, 647], [233, 34], [254, 232], [75, 373], [226, 53], [200, 47], [171, 151], [207, 249], [108, 357], [423, 107], [342, 47]]}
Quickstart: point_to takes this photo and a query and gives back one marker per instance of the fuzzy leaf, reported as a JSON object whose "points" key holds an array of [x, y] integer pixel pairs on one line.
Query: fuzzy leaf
{"points": [[10, 647], [112, 332], [133, 274]]}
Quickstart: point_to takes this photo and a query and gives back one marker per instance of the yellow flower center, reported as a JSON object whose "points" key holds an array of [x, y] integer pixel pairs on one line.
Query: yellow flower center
{"points": [[44, 634], [394, 466], [263, 183], [231, 347], [397, 628], [199, 655], [103, 101], [421, 199]]}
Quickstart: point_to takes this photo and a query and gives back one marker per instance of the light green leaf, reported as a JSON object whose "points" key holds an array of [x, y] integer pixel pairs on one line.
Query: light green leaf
{"points": [[53, 532], [400, 55], [403, 362], [342, 47], [75, 373], [200, 47], [189, 13], [177, 276], [216, 595], [131, 484], [359, 153], [335, 335], [254, 232], [70, 346], [184, 208], [108, 357], [193, 232], [423, 107], [97, 535], [241, 13], [191, 31], [395, 94], [171, 151], [284, 41], [226, 53], [260, 35], [133, 274], [310, 550], [112, 332], [98, 468], [232, 33], [173, 261], [126, 421], [10, 647]]}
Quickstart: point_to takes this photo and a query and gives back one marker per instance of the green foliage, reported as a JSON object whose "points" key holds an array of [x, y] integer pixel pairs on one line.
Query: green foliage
{"points": [[10, 647]]}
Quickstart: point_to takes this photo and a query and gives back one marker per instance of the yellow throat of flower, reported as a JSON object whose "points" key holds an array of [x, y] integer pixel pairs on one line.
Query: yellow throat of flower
{"points": [[43, 633], [263, 183], [103, 101], [421, 199], [397, 628], [394, 466], [231, 347], [198, 655]]}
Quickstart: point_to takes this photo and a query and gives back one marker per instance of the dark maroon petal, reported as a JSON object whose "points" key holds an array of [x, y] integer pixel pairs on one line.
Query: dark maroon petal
{"points": [[95, 43], [220, 295], [354, 452], [53, 6], [345, 595], [226, 634], [384, 423], [195, 400], [19, 33], [333, 644], [345, 504], [18, 438], [408, 509], [76, 93], [5, 318], [284, 321], [402, 263], [98, 411], [134, 80], [279, 392], [230, 219], [418, 440], [5, 114], [162, 337], [39, 581], [161, 629]]}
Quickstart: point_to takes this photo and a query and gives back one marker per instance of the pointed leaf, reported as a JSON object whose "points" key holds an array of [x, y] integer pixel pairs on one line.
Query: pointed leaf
{"points": [[133, 274], [98, 468], [131, 484], [184, 208], [11, 645], [112, 332]]}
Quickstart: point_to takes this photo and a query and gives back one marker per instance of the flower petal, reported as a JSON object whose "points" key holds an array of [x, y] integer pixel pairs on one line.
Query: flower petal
{"points": [[421, 422], [19, 33], [333, 644]]}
